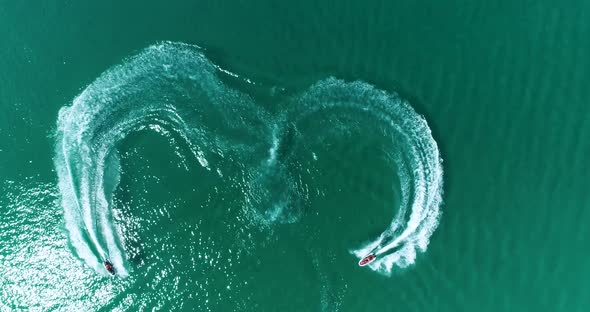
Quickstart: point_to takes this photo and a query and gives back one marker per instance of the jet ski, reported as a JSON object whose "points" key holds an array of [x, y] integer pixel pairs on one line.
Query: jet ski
{"points": [[108, 265], [368, 259]]}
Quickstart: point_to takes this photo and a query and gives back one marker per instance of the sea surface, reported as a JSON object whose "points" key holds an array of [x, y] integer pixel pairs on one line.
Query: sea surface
{"points": [[244, 156]]}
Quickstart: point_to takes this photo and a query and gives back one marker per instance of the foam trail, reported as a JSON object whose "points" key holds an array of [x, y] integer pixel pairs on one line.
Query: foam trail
{"points": [[168, 86], [173, 89], [275, 146], [419, 166]]}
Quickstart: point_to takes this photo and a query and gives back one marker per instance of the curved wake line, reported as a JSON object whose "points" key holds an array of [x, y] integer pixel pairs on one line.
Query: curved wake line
{"points": [[127, 98], [418, 163], [173, 87]]}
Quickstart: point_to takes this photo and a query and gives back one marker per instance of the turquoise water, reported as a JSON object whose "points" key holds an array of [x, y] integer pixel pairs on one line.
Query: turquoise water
{"points": [[240, 157]]}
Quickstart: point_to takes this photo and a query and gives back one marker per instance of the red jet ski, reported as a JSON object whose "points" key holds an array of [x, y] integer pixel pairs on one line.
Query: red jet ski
{"points": [[368, 259], [109, 267]]}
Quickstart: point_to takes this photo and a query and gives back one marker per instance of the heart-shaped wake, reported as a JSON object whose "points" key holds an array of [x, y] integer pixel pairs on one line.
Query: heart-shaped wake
{"points": [[174, 89]]}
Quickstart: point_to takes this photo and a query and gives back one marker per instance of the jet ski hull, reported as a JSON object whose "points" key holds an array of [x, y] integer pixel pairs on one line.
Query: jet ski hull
{"points": [[109, 267], [368, 259]]}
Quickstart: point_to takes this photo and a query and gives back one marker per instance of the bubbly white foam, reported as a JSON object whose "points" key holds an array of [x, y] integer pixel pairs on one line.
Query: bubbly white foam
{"points": [[173, 89], [419, 166], [169, 85]]}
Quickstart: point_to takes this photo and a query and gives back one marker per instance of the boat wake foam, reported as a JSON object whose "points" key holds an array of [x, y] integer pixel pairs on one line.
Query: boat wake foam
{"points": [[174, 89], [417, 159]]}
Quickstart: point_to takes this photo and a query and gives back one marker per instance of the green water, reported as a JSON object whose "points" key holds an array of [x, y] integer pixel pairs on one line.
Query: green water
{"points": [[502, 87]]}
